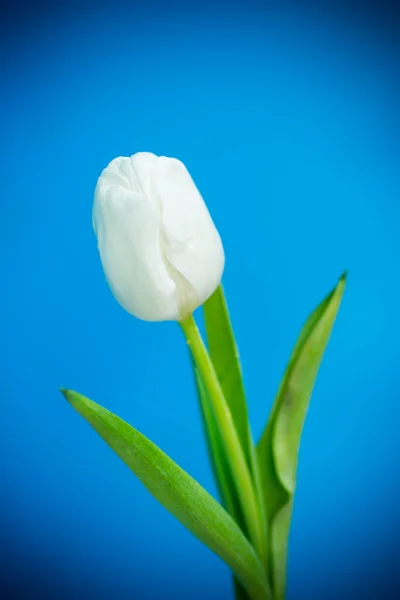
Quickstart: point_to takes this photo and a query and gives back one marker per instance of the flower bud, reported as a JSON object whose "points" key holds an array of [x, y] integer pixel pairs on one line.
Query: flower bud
{"points": [[159, 247]]}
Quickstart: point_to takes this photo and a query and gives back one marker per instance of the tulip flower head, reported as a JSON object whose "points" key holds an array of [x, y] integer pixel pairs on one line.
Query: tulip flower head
{"points": [[160, 250]]}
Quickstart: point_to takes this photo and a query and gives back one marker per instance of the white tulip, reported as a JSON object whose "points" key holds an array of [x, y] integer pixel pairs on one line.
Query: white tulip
{"points": [[159, 247]]}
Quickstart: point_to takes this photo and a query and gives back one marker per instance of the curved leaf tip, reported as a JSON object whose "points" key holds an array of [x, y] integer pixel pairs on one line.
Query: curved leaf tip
{"points": [[178, 492], [279, 445]]}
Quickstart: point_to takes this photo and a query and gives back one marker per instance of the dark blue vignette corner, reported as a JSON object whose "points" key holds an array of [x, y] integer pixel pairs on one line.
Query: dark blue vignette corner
{"points": [[287, 116]]}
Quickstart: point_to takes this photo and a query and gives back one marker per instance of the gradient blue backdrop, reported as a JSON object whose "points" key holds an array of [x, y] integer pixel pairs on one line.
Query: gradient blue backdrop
{"points": [[288, 121]]}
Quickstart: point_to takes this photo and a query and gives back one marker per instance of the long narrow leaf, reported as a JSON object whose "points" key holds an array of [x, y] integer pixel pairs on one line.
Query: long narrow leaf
{"points": [[279, 444], [219, 464], [179, 493], [225, 357]]}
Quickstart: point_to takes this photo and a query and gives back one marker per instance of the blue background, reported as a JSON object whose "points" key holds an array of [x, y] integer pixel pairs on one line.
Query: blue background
{"points": [[288, 122]]}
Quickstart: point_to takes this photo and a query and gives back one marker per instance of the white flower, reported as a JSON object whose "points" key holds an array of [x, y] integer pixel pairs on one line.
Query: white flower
{"points": [[159, 247]]}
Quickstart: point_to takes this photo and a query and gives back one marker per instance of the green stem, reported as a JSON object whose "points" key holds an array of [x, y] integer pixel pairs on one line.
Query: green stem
{"points": [[233, 448]]}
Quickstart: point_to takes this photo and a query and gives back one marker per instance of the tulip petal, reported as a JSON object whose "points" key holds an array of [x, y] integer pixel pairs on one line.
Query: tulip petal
{"points": [[128, 231], [193, 245], [160, 250]]}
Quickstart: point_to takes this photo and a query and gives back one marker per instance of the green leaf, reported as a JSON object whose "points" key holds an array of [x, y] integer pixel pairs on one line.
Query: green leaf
{"points": [[239, 591], [225, 357], [217, 455], [179, 493], [279, 444], [219, 464]]}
